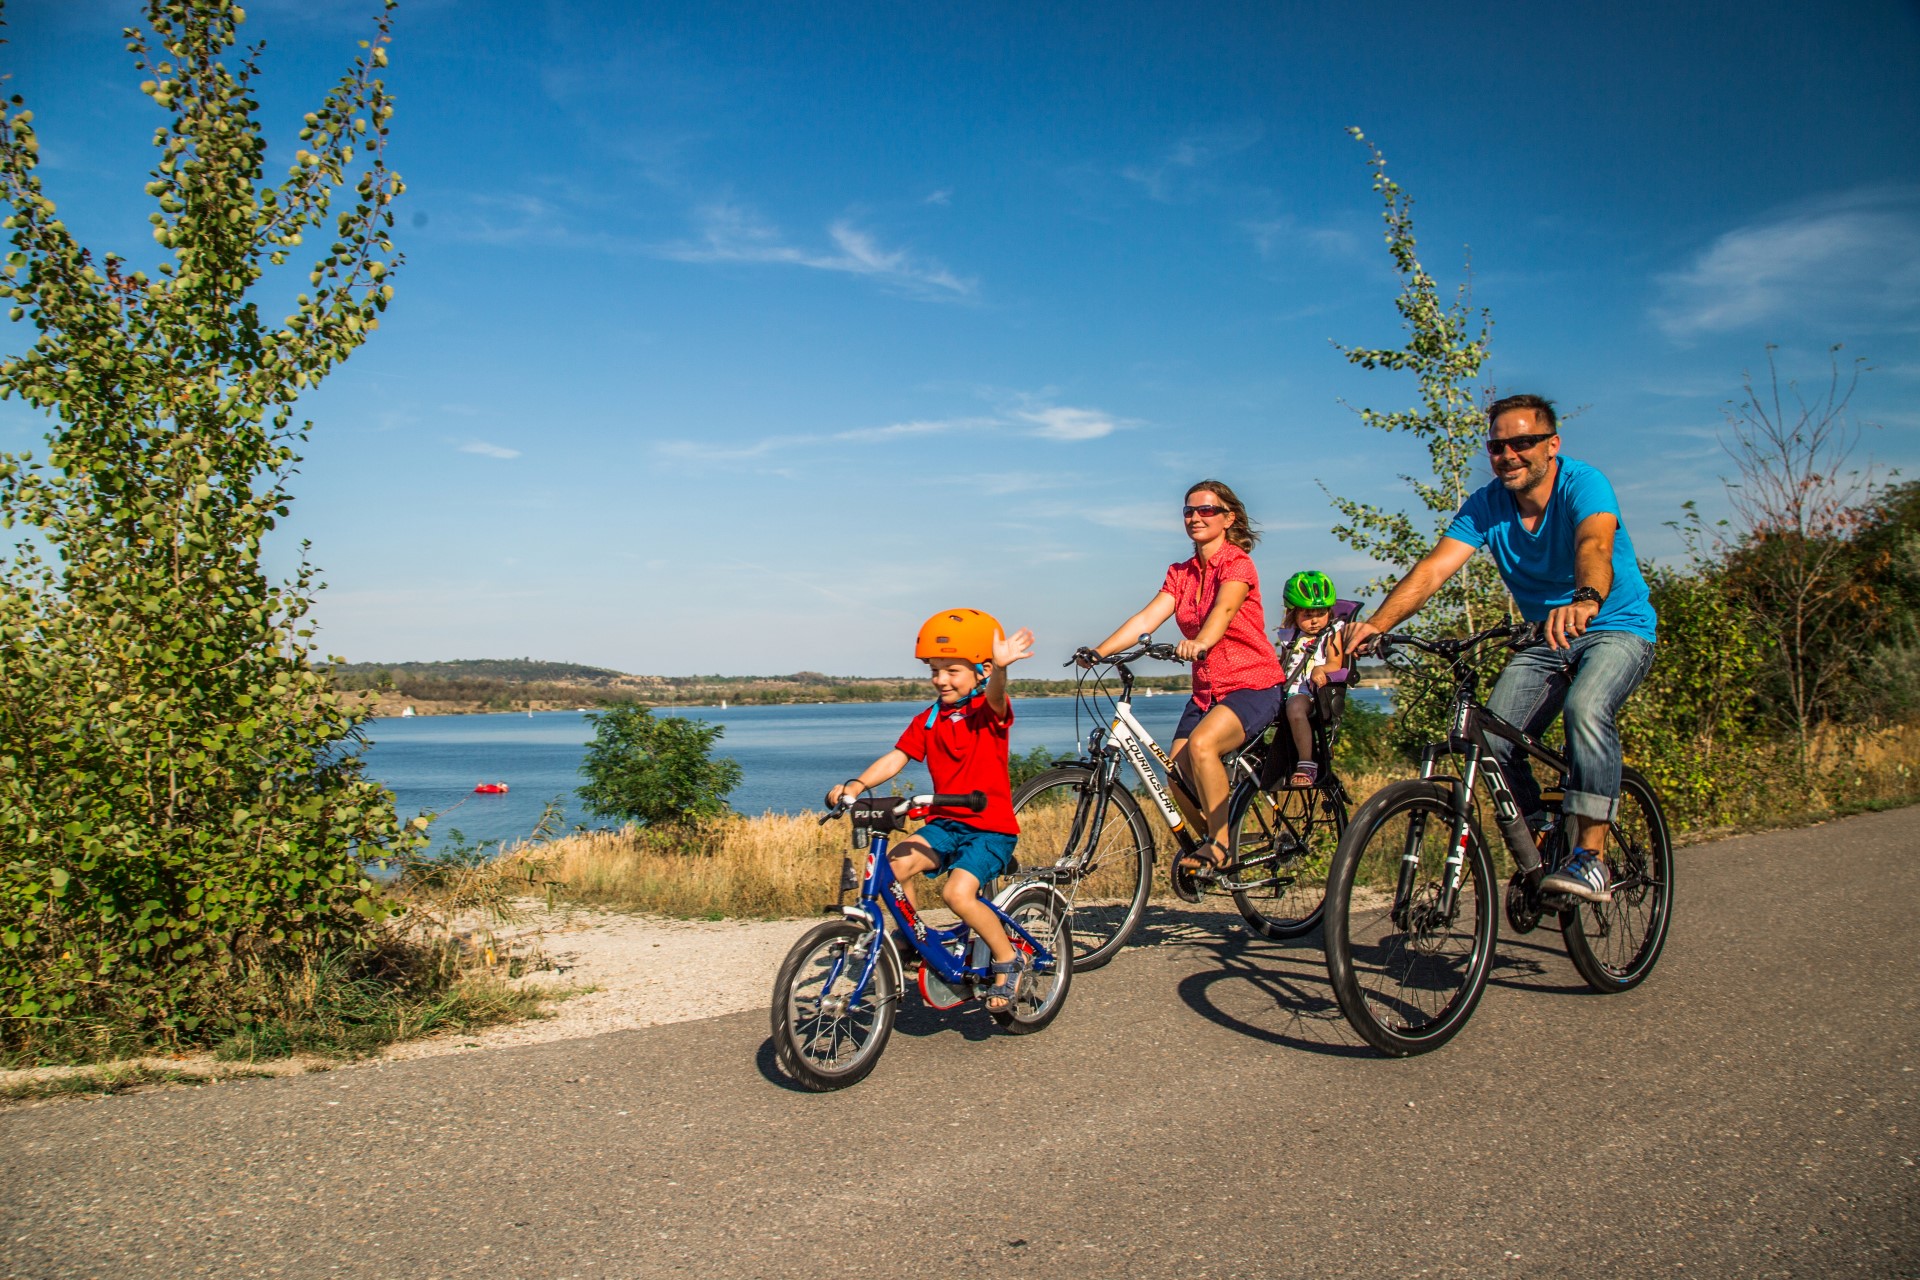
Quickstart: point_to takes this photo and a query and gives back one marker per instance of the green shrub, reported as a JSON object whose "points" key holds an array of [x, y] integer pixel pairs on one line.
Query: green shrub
{"points": [[1023, 769], [655, 770]]}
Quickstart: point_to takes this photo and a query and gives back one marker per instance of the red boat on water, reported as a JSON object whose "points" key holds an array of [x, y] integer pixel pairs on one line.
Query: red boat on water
{"points": [[491, 789]]}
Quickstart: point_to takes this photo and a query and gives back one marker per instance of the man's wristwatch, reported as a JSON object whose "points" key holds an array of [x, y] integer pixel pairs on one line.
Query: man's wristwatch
{"points": [[1586, 595]]}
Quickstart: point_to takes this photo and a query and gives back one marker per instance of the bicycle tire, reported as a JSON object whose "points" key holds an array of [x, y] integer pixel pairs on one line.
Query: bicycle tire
{"points": [[1043, 913], [1290, 836], [808, 1043], [1407, 978], [1615, 944], [1121, 869]]}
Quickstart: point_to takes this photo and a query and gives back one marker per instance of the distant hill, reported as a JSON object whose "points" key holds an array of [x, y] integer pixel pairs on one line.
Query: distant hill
{"points": [[515, 684]]}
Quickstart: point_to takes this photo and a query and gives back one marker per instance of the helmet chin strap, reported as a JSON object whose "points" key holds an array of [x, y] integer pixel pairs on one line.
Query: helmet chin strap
{"points": [[979, 687]]}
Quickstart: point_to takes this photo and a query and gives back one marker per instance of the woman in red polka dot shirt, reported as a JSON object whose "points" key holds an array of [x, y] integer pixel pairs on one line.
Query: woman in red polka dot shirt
{"points": [[1238, 683]]}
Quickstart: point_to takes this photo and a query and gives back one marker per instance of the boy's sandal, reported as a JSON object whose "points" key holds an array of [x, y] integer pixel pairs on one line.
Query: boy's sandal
{"points": [[1305, 774], [1002, 995]]}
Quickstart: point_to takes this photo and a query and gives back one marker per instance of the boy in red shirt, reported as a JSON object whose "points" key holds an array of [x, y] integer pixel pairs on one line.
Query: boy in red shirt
{"points": [[963, 740]]}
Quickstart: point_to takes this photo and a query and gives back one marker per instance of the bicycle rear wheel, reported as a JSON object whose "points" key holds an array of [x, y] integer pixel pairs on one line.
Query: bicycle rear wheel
{"points": [[1284, 842], [1105, 876], [820, 1038], [1615, 944], [1407, 967], [1042, 913]]}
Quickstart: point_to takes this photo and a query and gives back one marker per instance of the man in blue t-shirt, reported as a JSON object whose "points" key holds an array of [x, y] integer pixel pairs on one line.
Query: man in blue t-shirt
{"points": [[1553, 528]]}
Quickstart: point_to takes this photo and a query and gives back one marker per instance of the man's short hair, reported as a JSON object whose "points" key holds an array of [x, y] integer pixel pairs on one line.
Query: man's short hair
{"points": [[1539, 404]]}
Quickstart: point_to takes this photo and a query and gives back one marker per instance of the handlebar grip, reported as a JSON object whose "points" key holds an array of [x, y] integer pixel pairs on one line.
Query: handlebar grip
{"points": [[972, 800], [1526, 637]]}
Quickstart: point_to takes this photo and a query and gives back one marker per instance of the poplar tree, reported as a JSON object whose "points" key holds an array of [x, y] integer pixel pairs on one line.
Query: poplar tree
{"points": [[182, 816], [1446, 348]]}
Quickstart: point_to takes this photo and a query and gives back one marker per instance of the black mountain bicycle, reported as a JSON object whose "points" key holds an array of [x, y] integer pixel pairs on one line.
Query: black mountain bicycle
{"points": [[1411, 912]]}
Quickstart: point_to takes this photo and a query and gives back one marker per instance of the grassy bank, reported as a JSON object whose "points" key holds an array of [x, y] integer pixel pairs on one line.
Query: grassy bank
{"points": [[778, 865]]}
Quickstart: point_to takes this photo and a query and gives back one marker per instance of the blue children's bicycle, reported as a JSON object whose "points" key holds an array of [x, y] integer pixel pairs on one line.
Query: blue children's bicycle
{"points": [[838, 990]]}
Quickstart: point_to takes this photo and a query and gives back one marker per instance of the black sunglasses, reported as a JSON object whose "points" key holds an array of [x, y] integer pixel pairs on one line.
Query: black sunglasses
{"points": [[1206, 509], [1519, 444]]}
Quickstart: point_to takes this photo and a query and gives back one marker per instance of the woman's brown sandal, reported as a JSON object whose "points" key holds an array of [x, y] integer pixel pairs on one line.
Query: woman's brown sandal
{"points": [[1201, 863]]}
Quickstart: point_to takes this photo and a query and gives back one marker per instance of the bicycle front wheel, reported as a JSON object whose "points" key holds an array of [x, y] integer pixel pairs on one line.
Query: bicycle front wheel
{"points": [[1615, 944], [821, 1037], [1101, 849], [1042, 913], [1284, 842], [1407, 954]]}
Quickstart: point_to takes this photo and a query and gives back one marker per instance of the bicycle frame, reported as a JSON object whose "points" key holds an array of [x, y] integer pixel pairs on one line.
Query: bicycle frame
{"points": [[879, 886], [1471, 735]]}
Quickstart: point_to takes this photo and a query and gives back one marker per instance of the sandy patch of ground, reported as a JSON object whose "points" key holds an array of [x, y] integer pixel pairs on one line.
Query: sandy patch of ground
{"points": [[643, 971]]}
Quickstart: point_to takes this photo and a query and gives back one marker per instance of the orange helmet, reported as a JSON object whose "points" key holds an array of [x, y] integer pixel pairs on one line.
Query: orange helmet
{"points": [[966, 634]]}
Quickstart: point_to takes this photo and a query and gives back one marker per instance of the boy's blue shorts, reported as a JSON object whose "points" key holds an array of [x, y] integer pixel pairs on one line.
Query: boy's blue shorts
{"points": [[957, 846]]}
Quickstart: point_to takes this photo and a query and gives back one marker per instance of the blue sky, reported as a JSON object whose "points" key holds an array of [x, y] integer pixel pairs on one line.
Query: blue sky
{"points": [[741, 338]]}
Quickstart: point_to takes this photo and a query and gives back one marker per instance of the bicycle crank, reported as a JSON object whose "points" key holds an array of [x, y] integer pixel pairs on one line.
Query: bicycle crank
{"points": [[1523, 909]]}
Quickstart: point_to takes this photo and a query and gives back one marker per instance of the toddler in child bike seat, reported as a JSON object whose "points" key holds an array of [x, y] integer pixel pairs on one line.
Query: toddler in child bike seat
{"points": [[962, 739], [1307, 658]]}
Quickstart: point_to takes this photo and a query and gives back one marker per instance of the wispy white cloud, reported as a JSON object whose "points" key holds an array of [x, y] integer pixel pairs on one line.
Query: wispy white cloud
{"points": [[1852, 259], [486, 450], [1169, 177], [1064, 422], [1031, 416], [926, 427], [1274, 235], [943, 196], [732, 233]]}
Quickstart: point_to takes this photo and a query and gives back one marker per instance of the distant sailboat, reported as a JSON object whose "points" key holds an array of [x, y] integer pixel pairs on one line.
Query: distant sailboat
{"points": [[723, 704], [404, 714]]}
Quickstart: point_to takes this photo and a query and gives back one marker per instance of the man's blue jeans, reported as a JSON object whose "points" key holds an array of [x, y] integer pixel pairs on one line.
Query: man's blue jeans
{"points": [[1592, 678]]}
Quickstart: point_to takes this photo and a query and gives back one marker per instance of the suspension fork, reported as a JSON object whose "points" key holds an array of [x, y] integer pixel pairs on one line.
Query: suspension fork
{"points": [[1461, 790]]}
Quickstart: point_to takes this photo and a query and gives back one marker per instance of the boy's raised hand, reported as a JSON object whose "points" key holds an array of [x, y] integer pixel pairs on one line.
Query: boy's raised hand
{"points": [[1010, 649]]}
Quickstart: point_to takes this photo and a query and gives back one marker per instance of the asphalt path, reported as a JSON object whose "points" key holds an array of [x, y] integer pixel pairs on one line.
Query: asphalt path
{"points": [[1198, 1110]]}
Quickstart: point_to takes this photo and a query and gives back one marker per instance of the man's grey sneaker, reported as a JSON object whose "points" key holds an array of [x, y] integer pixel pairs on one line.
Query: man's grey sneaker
{"points": [[1584, 876]]}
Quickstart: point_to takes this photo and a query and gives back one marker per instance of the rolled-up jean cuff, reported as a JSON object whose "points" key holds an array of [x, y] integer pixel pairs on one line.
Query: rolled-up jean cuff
{"points": [[1585, 804]]}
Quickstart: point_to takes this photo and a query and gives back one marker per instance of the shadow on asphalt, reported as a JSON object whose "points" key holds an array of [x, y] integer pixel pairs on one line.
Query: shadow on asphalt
{"points": [[1276, 992], [1279, 993]]}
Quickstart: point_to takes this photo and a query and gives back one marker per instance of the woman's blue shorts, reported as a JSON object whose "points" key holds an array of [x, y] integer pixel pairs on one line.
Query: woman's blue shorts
{"points": [[1255, 709]]}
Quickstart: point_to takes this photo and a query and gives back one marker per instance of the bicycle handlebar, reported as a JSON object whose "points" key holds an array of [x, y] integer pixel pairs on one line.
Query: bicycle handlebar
{"points": [[972, 801], [1144, 649], [1518, 635]]}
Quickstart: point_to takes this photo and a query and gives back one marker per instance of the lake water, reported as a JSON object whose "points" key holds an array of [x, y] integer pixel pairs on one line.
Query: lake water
{"points": [[788, 755]]}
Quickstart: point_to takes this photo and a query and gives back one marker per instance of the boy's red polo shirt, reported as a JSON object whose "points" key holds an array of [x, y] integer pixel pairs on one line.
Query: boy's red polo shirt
{"points": [[966, 750]]}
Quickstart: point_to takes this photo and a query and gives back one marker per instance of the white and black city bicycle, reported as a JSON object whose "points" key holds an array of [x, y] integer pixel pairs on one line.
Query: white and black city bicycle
{"points": [[1085, 832]]}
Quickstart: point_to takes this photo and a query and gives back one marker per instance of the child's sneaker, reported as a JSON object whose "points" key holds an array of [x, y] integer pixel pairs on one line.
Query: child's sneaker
{"points": [[1584, 876]]}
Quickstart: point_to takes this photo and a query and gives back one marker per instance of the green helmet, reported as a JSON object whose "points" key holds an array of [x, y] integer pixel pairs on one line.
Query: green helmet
{"points": [[1310, 589]]}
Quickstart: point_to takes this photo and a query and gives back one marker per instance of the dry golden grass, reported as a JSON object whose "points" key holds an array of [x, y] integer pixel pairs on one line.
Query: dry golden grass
{"points": [[777, 865], [767, 867]]}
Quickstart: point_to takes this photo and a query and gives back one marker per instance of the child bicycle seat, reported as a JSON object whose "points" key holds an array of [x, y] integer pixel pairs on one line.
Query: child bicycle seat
{"points": [[1329, 702]]}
